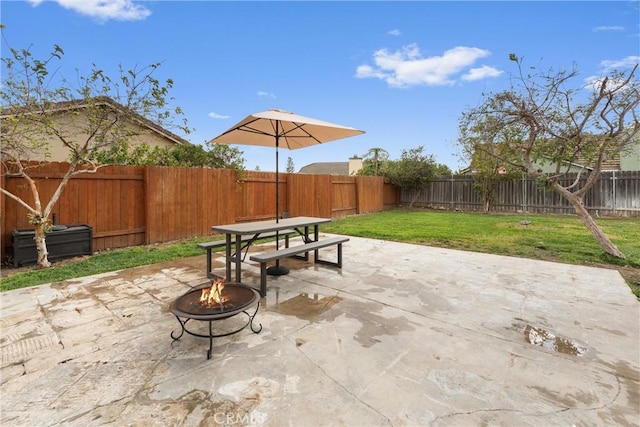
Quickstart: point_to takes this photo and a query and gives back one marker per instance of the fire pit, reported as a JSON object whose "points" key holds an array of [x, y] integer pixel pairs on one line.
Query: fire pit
{"points": [[213, 301]]}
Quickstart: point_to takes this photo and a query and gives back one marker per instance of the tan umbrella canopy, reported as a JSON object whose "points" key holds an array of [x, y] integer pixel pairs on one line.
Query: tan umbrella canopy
{"points": [[278, 128]]}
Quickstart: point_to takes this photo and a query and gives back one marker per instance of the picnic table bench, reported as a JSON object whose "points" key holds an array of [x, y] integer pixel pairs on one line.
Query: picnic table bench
{"points": [[294, 251]]}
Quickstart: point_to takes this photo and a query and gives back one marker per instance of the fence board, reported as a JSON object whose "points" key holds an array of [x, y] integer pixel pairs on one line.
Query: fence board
{"points": [[391, 196], [310, 195], [258, 196], [344, 197], [371, 194]]}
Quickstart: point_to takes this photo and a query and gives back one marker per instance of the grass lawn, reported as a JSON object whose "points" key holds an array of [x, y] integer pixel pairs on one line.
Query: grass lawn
{"points": [[558, 238], [547, 237]]}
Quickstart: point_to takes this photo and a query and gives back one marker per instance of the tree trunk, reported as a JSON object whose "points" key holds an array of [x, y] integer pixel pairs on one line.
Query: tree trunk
{"points": [[41, 246], [414, 197], [604, 242]]}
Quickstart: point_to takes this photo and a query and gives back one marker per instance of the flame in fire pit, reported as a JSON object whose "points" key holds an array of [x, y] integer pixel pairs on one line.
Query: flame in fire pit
{"points": [[212, 296]]}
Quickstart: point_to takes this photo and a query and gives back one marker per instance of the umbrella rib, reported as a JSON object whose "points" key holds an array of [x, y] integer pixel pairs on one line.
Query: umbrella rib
{"points": [[246, 128], [253, 130], [301, 127]]}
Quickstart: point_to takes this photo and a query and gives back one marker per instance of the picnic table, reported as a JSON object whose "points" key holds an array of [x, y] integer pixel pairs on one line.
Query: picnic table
{"points": [[236, 237]]}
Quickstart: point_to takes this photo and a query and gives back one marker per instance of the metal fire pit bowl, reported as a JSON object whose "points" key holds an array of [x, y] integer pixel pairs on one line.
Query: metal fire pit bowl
{"points": [[239, 299]]}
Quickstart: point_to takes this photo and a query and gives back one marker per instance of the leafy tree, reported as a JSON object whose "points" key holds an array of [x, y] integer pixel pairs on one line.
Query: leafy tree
{"points": [[124, 154], [488, 170], [290, 166], [373, 162], [186, 155], [223, 156], [31, 100], [541, 118], [217, 156], [413, 171], [441, 170]]}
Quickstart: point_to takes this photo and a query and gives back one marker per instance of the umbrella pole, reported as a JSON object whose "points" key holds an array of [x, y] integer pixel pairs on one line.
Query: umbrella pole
{"points": [[277, 270]]}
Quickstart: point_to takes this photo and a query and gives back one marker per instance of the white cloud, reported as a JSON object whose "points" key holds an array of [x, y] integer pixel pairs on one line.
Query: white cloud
{"points": [[365, 71], [608, 66], [407, 67], [264, 94], [104, 10], [594, 83], [620, 64], [608, 28], [395, 32], [217, 116], [481, 73]]}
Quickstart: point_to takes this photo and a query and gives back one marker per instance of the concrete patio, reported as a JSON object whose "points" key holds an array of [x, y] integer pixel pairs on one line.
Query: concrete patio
{"points": [[402, 335]]}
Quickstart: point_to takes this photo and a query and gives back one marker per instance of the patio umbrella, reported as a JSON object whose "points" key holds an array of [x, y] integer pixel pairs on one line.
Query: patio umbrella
{"points": [[278, 128]]}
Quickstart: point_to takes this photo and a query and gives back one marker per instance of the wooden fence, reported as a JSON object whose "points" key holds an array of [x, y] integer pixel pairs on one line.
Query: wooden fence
{"points": [[615, 193], [135, 205]]}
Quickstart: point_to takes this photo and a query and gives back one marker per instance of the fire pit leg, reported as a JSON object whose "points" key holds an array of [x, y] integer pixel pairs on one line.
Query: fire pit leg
{"points": [[251, 317], [175, 338], [210, 351]]}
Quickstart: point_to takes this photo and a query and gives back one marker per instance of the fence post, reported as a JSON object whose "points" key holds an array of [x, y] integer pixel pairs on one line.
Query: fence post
{"points": [[524, 192], [452, 189], [614, 179]]}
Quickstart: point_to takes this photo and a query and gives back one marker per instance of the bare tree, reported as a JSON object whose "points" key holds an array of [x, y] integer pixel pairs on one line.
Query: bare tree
{"points": [[33, 102], [541, 119]]}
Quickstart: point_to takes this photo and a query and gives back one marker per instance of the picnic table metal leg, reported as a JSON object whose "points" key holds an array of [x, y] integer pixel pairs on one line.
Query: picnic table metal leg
{"points": [[227, 258], [209, 272], [315, 239], [263, 279], [238, 258], [306, 240]]}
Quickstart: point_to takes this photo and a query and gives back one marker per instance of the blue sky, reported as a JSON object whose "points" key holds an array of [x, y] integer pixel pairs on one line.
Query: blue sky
{"points": [[401, 71]]}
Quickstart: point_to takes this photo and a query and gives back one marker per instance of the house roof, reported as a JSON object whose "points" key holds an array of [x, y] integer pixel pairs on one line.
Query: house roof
{"points": [[612, 160], [608, 164], [326, 168], [78, 104]]}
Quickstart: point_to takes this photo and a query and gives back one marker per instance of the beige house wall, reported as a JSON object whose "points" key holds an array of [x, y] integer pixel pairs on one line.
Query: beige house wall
{"points": [[630, 157], [72, 124], [355, 164]]}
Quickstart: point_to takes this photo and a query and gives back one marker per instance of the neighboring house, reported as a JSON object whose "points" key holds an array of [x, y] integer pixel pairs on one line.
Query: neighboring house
{"points": [[68, 116], [630, 156], [334, 168], [628, 159], [574, 167]]}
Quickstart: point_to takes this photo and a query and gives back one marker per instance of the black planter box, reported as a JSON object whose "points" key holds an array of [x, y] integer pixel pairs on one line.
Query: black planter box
{"points": [[62, 242]]}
